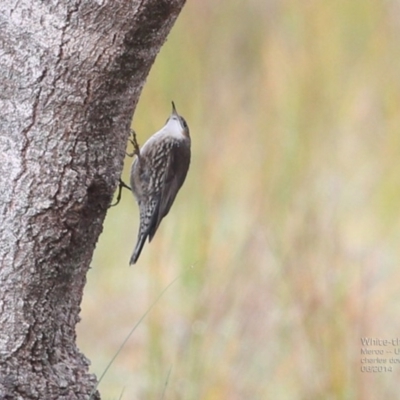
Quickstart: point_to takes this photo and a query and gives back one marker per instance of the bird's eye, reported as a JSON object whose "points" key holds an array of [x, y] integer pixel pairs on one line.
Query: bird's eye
{"points": [[183, 122]]}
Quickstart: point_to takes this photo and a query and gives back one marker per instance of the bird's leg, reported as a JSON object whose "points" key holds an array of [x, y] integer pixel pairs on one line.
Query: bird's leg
{"points": [[136, 149], [120, 186]]}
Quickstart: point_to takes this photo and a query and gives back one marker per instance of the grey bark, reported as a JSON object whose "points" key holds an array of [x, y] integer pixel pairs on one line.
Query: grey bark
{"points": [[71, 74]]}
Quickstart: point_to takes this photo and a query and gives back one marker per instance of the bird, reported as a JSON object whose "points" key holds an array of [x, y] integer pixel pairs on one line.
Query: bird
{"points": [[157, 173]]}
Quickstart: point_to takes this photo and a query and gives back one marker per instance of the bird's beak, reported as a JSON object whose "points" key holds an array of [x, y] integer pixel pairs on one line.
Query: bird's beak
{"points": [[174, 112]]}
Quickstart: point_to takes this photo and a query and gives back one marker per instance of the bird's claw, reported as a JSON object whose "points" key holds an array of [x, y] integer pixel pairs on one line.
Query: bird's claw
{"points": [[136, 148], [121, 185]]}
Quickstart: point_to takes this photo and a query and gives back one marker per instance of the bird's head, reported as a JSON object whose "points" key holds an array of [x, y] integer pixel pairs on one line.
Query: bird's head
{"points": [[177, 124]]}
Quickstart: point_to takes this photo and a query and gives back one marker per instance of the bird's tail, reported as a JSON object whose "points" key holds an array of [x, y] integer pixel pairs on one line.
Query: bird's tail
{"points": [[138, 248], [148, 215]]}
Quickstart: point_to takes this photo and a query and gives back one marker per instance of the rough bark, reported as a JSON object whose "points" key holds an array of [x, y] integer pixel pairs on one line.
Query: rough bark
{"points": [[71, 74]]}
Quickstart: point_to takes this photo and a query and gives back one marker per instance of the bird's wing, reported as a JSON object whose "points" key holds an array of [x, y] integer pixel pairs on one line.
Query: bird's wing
{"points": [[175, 174]]}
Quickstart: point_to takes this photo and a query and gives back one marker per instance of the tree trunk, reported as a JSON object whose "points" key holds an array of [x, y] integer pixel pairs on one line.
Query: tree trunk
{"points": [[71, 74]]}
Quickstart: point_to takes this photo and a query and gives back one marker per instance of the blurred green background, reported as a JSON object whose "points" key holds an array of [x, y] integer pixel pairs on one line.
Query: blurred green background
{"points": [[286, 232]]}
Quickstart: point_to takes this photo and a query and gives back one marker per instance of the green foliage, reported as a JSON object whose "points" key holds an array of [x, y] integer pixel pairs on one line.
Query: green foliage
{"points": [[287, 227]]}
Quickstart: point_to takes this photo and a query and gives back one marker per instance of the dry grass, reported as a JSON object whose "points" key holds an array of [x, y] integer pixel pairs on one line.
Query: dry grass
{"points": [[287, 230]]}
